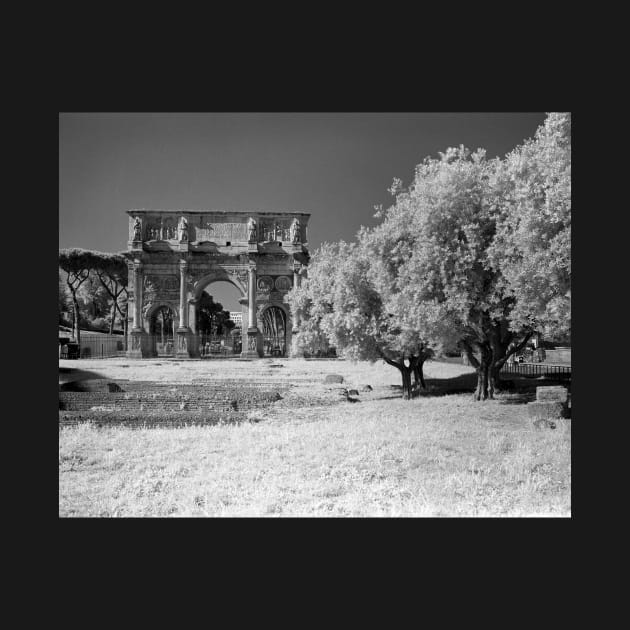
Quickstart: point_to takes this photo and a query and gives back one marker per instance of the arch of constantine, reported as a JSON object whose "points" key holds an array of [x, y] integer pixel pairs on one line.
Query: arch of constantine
{"points": [[174, 255]]}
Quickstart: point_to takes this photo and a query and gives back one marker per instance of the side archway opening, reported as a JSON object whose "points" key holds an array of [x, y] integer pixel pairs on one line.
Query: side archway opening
{"points": [[162, 323], [273, 321]]}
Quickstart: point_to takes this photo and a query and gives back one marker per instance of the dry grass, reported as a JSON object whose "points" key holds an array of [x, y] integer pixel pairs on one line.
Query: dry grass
{"points": [[432, 456]]}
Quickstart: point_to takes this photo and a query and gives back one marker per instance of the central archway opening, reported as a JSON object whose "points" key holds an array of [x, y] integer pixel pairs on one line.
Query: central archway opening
{"points": [[219, 320]]}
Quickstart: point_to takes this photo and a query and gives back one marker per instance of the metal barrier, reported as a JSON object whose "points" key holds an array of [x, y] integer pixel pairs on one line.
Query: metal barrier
{"points": [[160, 346], [274, 346], [96, 347], [537, 369], [218, 346]]}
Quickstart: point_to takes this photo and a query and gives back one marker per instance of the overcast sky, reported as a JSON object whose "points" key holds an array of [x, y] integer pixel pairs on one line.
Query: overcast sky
{"points": [[335, 166]]}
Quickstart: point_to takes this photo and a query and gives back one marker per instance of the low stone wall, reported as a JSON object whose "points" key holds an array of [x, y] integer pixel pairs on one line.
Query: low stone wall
{"points": [[159, 419], [107, 402], [177, 400]]}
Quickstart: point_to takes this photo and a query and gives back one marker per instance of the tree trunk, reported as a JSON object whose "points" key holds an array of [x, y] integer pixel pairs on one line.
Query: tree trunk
{"points": [[483, 367], [418, 376], [494, 379], [406, 381], [481, 393], [405, 372], [77, 320], [113, 319]]}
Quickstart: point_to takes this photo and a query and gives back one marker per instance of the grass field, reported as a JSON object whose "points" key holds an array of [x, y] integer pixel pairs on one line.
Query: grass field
{"points": [[439, 454]]}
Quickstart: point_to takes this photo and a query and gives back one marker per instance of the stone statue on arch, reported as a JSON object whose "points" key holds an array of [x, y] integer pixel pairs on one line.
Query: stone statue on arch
{"points": [[251, 230], [183, 230], [295, 231], [137, 229]]}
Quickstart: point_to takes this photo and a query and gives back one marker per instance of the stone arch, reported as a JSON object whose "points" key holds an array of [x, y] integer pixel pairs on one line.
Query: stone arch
{"points": [[153, 343], [202, 283], [288, 326], [154, 307], [218, 275]]}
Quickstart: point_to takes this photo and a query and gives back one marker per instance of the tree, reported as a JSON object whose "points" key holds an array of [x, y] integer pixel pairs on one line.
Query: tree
{"points": [[490, 246], [211, 315], [450, 211], [65, 301], [112, 271], [341, 299], [94, 302], [311, 301], [223, 322], [532, 246], [77, 263]]}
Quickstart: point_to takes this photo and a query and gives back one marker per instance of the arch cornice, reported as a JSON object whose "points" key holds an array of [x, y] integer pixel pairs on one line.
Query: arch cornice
{"points": [[236, 277]]}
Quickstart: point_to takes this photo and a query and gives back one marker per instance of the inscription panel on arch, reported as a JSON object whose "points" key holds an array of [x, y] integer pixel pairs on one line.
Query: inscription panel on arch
{"points": [[233, 232]]}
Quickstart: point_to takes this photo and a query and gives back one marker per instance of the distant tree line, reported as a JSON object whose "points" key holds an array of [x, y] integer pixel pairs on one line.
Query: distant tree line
{"points": [[92, 291], [474, 255]]}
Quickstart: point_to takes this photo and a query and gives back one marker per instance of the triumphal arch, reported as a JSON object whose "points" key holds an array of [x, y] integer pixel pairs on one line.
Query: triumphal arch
{"points": [[173, 255]]}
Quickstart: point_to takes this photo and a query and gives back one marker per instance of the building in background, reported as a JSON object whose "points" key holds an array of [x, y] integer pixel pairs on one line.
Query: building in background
{"points": [[237, 318]]}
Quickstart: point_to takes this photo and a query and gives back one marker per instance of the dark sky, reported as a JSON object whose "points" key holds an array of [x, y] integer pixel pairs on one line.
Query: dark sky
{"points": [[335, 166]]}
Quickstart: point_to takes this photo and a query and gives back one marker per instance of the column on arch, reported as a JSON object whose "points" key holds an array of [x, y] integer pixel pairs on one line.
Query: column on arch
{"points": [[186, 346], [139, 340], [252, 343], [251, 297]]}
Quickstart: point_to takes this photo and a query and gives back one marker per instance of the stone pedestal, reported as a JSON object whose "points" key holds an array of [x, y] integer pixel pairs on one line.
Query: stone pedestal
{"points": [[185, 344], [551, 402], [252, 344], [138, 344], [295, 351]]}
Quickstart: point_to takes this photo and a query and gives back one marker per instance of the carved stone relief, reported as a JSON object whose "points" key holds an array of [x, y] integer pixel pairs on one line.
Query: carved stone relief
{"points": [[265, 284], [275, 230], [283, 283], [159, 285]]}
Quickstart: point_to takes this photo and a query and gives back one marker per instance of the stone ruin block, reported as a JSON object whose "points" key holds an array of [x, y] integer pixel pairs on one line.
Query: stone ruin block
{"points": [[333, 378], [555, 393], [550, 409]]}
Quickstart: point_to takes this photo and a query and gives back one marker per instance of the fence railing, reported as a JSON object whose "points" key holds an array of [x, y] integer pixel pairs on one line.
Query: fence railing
{"points": [[274, 346], [537, 369], [219, 347], [94, 347]]}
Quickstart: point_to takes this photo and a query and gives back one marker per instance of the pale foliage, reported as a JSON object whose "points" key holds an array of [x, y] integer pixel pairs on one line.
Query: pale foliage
{"points": [[533, 241], [347, 301]]}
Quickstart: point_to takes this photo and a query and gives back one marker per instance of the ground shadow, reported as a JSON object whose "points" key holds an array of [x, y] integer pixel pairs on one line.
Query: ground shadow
{"points": [[518, 390]]}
